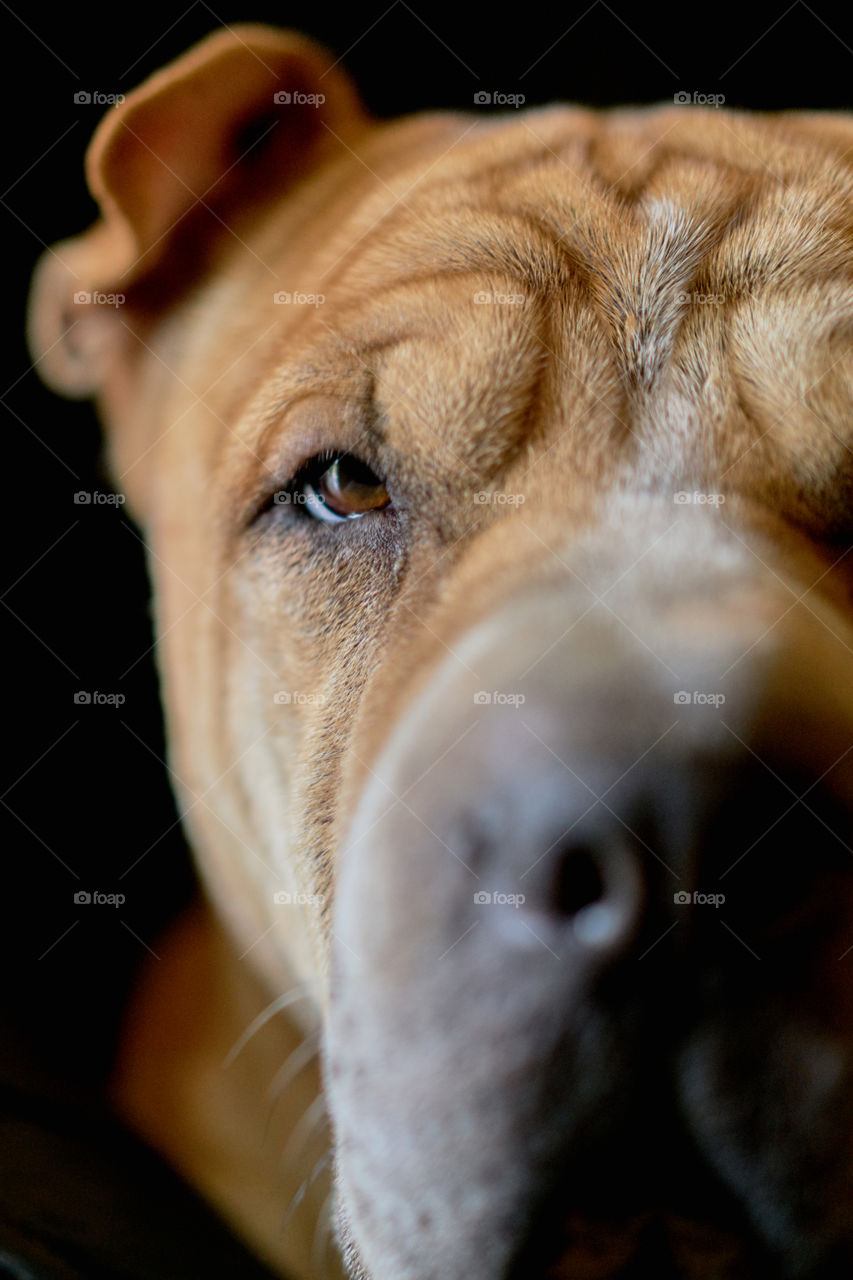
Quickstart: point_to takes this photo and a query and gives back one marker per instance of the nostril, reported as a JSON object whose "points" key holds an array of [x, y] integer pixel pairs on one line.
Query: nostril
{"points": [[596, 891], [578, 881]]}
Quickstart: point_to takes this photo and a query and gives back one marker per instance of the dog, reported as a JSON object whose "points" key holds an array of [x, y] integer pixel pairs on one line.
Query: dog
{"points": [[495, 473]]}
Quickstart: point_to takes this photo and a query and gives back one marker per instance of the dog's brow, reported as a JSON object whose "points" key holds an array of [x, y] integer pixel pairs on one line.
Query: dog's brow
{"points": [[360, 393], [353, 388], [519, 245], [346, 361]]}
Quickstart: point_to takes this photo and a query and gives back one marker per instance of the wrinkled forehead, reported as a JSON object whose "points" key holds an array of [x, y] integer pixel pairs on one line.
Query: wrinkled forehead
{"points": [[449, 377], [609, 267], [629, 205], [635, 216]]}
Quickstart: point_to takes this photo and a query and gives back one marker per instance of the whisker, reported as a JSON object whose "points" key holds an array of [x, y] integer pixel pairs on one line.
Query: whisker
{"points": [[321, 1164], [293, 1206], [293, 1064], [306, 1184], [300, 992], [312, 1121], [287, 1073]]}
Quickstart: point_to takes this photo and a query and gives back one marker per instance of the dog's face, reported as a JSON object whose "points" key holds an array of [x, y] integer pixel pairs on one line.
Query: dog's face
{"points": [[502, 597]]}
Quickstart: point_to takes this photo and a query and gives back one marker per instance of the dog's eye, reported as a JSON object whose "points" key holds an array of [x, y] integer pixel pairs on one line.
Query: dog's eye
{"points": [[340, 488]]}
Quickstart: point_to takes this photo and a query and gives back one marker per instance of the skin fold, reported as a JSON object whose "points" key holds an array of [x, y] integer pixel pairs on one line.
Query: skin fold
{"points": [[600, 365]]}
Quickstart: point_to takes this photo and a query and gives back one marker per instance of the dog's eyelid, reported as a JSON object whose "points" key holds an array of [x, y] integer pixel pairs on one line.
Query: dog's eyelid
{"points": [[333, 486], [346, 488]]}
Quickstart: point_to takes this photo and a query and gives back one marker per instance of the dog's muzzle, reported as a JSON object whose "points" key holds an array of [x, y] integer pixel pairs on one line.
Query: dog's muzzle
{"points": [[590, 1004]]}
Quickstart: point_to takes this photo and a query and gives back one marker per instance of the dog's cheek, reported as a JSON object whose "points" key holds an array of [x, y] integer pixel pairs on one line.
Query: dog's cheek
{"points": [[283, 681]]}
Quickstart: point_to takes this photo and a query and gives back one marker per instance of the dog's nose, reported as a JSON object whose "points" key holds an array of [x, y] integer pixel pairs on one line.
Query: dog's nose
{"points": [[577, 792], [595, 886], [547, 847], [589, 891]]}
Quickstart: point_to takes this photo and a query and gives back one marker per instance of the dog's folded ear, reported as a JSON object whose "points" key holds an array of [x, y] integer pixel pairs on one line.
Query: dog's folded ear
{"points": [[177, 169]]}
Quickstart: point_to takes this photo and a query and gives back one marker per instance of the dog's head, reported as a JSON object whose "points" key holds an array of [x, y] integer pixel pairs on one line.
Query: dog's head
{"points": [[497, 475]]}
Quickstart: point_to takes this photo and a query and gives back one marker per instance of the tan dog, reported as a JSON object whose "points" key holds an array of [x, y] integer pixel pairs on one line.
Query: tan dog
{"points": [[496, 475]]}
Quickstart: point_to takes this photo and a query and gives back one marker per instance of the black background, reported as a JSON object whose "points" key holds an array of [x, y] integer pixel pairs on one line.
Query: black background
{"points": [[86, 795]]}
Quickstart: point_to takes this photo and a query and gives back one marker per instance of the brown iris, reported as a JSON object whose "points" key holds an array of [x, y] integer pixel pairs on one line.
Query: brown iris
{"points": [[345, 489]]}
